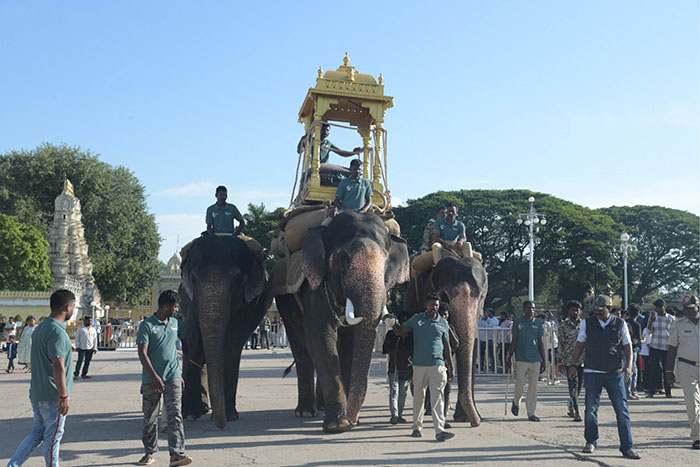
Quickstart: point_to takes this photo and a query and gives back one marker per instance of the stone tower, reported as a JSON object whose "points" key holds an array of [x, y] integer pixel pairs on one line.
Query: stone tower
{"points": [[68, 253]]}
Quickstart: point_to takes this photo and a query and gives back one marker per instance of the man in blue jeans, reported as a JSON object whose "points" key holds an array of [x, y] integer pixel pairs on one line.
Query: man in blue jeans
{"points": [[608, 357], [52, 381]]}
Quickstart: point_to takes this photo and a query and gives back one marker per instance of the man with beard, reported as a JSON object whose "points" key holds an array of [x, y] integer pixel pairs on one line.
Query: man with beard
{"points": [[52, 381]]}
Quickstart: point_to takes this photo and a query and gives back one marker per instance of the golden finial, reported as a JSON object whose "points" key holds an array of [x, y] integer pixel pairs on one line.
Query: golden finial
{"points": [[381, 79], [68, 187], [346, 60], [320, 72]]}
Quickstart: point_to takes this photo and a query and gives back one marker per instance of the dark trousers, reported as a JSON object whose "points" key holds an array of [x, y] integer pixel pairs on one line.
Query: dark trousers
{"points": [[11, 364], [86, 356], [575, 385], [657, 370], [265, 339]]}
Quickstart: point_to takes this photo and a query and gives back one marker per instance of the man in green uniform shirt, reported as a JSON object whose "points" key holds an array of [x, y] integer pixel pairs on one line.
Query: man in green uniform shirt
{"points": [[529, 358], [450, 234], [354, 193], [221, 214], [156, 342], [52, 381], [432, 364], [326, 146]]}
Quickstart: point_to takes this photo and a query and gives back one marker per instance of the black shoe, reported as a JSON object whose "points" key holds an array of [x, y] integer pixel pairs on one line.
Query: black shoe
{"points": [[394, 420], [447, 425], [417, 434], [696, 444], [444, 436], [578, 418], [533, 418], [650, 395], [402, 420], [514, 409], [668, 395], [632, 454], [86, 376]]}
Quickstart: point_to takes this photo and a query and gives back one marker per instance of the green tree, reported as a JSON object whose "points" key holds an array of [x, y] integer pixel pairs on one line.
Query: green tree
{"points": [[258, 222], [666, 244], [24, 262], [573, 252], [121, 234]]}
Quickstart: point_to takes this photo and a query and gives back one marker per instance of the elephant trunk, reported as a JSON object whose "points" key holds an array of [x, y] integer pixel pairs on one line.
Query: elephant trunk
{"points": [[464, 315], [364, 287], [213, 322]]}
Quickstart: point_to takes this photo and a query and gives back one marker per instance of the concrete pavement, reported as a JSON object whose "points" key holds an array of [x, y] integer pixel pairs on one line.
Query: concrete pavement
{"points": [[104, 425]]}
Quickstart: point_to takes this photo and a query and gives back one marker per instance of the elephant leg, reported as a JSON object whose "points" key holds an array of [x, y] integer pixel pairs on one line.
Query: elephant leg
{"points": [[232, 357], [289, 310], [194, 397], [321, 339], [345, 352]]}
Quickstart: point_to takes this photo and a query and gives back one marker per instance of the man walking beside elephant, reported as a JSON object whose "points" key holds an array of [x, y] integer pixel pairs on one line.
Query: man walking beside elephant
{"points": [[529, 358], [432, 364], [161, 375]]}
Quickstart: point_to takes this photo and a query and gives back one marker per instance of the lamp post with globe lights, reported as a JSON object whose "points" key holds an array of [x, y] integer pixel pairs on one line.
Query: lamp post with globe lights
{"points": [[531, 218], [624, 249]]}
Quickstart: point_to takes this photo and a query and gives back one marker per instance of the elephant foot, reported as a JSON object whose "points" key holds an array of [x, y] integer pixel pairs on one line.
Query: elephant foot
{"points": [[475, 423], [305, 412], [338, 426], [232, 416], [190, 418], [461, 418]]}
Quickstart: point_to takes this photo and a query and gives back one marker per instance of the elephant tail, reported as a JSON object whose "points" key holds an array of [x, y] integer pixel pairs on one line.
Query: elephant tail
{"points": [[288, 369]]}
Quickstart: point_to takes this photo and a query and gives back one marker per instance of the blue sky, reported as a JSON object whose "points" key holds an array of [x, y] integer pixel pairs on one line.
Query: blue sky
{"points": [[596, 102]]}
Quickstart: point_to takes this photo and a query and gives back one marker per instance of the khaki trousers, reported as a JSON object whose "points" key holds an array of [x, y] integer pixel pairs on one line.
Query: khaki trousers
{"points": [[434, 377], [529, 371], [688, 379]]}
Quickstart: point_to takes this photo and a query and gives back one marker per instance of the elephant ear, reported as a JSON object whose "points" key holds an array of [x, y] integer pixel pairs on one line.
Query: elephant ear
{"points": [[313, 257], [186, 289], [254, 286], [397, 269]]}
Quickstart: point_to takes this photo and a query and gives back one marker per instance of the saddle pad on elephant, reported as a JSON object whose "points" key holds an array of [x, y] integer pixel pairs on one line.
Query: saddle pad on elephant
{"points": [[286, 277]]}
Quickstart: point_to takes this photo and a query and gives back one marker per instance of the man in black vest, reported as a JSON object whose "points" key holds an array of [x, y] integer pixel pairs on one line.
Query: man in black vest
{"points": [[608, 358]]}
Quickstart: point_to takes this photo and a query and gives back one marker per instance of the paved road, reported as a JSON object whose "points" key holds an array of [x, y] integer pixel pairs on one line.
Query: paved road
{"points": [[104, 425]]}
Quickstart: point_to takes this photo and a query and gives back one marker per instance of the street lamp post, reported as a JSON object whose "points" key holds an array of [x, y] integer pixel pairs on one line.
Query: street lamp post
{"points": [[531, 218], [624, 248]]}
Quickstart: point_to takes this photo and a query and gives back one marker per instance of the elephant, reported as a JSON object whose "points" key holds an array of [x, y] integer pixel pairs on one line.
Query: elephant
{"points": [[331, 323], [463, 283], [223, 300]]}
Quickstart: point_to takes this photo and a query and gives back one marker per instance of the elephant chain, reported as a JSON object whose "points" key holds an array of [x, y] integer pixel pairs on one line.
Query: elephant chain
{"points": [[334, 305]]}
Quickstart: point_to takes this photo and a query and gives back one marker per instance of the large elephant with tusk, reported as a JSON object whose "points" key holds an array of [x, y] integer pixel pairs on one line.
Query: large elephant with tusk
{"points": [[349, 266]]}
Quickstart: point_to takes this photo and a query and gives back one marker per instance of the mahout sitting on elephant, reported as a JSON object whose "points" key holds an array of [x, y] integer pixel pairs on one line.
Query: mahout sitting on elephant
{"points": [[463, 283], [223, 301], [349, 266]]}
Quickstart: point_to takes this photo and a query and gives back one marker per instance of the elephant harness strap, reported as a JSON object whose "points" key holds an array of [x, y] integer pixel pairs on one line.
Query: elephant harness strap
{"points": [[337, 310]]}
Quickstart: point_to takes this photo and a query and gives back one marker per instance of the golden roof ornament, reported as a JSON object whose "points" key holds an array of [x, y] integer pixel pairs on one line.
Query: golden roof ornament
{"points": [[320, 72], [381, 79], [346, 60], [68, 187]]}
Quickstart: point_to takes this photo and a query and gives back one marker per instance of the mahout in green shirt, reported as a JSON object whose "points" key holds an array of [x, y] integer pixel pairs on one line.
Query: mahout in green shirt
{"points": [[50, 340], [222, 218], [161, 338], [428, 337], [354, 193], [527, 333], [450, 232]]}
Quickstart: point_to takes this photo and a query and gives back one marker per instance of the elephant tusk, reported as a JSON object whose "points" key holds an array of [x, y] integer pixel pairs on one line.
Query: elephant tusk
{"points": [[350, 313]]}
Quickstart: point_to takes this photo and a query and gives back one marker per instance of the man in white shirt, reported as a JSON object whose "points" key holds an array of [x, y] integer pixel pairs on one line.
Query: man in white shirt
{"points": [[608, 364], [86, 343]]}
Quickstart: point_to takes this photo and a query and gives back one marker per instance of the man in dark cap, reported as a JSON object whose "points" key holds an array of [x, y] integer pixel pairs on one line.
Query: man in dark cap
{"points": [[659, 327], [684, 342], [608, 357]]}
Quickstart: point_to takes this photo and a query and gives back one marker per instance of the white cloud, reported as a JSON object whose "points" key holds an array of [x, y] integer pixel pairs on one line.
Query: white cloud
{"points": [[201, 188]]}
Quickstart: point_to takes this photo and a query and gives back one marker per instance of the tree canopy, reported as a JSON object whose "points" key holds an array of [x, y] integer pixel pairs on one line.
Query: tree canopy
{"points": [[121, 234], [574, 252], [23, 256], [665, 255]]}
